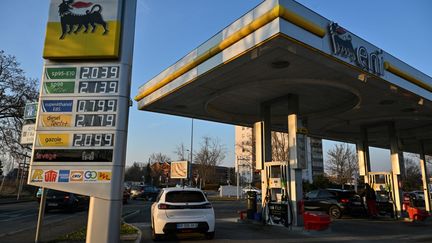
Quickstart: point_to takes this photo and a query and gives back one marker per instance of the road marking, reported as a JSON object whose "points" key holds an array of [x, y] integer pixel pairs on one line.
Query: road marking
{"points": [[141, 225]]}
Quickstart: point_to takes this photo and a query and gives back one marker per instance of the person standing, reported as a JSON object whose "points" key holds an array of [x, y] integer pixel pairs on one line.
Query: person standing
{"points": [[369, 194]]}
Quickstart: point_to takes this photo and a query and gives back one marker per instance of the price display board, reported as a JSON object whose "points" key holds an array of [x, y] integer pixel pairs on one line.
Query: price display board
{"points": [[78, 122]]}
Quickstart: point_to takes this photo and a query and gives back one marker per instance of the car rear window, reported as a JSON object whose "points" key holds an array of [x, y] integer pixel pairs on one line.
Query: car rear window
{"points": [[184, 196]]}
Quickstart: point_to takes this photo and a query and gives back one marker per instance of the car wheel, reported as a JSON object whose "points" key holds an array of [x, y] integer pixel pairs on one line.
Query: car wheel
{"points": [[209, 235], [335, 212]]}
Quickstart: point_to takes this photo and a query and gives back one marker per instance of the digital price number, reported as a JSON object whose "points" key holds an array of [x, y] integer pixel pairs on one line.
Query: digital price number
{"points": [[97, 105], [100, 120], [99, 72], [101, 87], [93, 140]]}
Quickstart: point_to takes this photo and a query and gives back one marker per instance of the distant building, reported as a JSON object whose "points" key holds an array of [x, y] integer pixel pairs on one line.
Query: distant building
{"points": [[309, 150], [244, 153]]}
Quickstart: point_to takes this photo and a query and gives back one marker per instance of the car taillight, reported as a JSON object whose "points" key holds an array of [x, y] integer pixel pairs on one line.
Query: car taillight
{"points": [[66, 198], [163, 206], [344, 200], [207, 205]]}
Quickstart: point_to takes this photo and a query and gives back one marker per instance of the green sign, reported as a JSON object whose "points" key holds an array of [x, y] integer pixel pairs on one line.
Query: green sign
{"points": [[59, 87], [30, 111], [61, 73]]}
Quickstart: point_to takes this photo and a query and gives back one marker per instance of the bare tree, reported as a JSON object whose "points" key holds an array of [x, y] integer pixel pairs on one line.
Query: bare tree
{"points": [[341, 164], [280, 146], [159, 157], [210, 154], [413, 177], [182, 152], [135, 172], [15, 91]]}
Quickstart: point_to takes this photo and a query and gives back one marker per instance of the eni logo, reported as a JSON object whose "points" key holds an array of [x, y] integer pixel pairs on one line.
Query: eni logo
{"points": [[74, 22]]}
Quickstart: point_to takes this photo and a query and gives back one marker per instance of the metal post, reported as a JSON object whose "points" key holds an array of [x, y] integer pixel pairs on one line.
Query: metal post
{"points": [[363, 155], [425, 176], [263, 149], [295, 171], [238, 183], [396, 169], [104, 215], [41, 214], [191, 149], [21, 180], [106, 228]]}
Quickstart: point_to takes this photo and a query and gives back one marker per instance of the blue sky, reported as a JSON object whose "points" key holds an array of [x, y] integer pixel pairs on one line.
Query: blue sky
{"points": [[166, 30]]}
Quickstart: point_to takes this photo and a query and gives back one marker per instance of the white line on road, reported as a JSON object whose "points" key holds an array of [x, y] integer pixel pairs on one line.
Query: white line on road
{"points": [[34, 226]]}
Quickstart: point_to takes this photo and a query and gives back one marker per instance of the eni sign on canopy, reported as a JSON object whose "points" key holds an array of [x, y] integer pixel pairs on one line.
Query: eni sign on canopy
{"points": [[79, 29]]}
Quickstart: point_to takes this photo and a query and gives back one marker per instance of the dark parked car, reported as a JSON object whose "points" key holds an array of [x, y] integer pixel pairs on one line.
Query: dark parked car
{"points": [[145, 192], [64, 200], [126, 196], [335, 202]]}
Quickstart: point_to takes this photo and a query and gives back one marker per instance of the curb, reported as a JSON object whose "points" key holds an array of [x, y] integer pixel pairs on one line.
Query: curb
{"points": [[138, 234]]}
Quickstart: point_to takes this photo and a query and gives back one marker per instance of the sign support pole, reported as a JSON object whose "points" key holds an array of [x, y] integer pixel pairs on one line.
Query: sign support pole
{"points": [[41, 214]]}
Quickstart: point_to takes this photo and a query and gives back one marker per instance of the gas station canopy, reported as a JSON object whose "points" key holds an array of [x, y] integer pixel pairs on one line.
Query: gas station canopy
{"points": [[282, 48]]}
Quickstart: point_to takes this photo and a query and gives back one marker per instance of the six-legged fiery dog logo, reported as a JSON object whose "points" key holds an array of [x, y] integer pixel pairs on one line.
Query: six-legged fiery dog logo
{"points": [[72, 22]]}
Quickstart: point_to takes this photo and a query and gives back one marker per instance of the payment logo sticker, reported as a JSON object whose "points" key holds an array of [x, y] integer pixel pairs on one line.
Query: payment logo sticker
{"points": [[57, 105], [51, 176], [56, 120], [37, 176], [90, 175], [104, 176], [76, 175], [63, 175], [53, 140]]}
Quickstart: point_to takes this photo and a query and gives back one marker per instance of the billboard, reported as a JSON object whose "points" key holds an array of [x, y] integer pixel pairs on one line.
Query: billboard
{"points": [[179, 169], [83, 30]]}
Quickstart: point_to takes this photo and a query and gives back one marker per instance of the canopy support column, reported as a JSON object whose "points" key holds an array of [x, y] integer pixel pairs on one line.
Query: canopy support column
{"points": [[396, 168], [363, 155], [425, 177], [295, 170]]}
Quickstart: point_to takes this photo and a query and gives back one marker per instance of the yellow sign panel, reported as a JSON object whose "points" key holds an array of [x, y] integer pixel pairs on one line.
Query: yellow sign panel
{"points": [[56, 120], [83, 30], [53, 140]]}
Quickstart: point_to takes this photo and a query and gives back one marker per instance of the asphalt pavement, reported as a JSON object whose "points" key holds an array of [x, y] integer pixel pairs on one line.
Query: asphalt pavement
{"points": [[228, 229], [18, 222]]}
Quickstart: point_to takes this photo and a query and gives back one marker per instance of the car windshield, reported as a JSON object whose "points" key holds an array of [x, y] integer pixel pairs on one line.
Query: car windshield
{"points": [[184, 196]]}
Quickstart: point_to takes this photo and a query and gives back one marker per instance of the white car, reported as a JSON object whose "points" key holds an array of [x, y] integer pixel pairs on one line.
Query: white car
{"points": [[182, 210]]}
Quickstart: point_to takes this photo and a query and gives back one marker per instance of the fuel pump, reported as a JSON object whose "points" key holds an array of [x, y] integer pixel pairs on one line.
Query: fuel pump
{"points": [[277, 205]]}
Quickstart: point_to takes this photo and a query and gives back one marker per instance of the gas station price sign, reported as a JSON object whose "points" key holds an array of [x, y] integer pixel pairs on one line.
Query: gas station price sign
{"points": [[78, 114]]}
